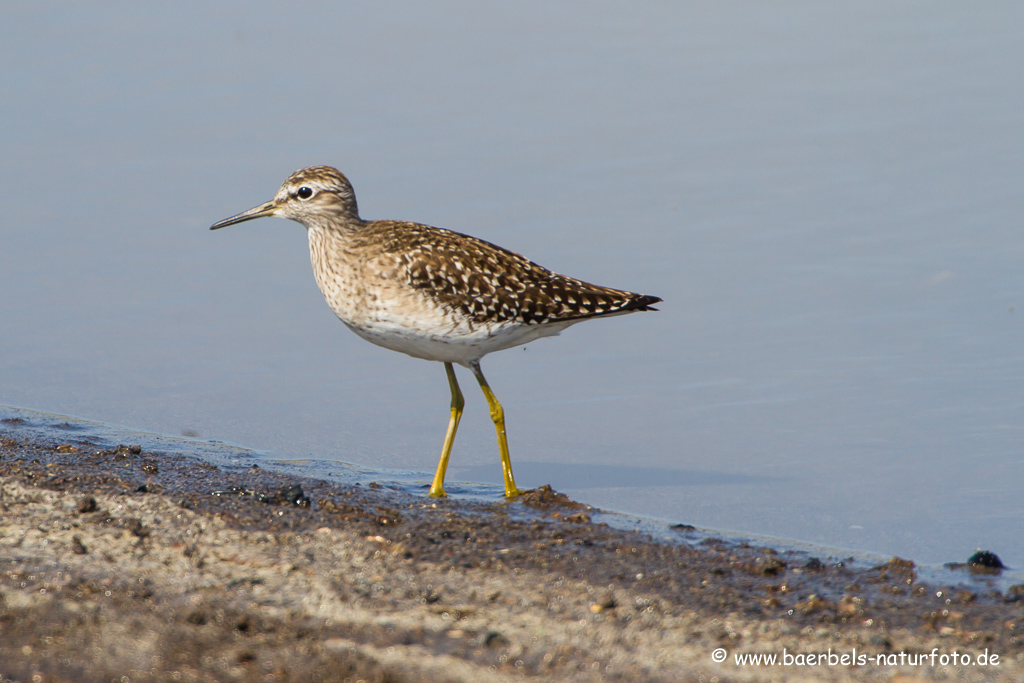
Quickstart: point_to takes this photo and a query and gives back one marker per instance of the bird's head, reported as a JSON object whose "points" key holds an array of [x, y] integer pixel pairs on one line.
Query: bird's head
{"points": [[313, 196]]}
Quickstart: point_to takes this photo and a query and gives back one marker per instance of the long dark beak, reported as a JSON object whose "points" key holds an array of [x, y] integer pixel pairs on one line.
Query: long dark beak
{"points": [[260, 211]]}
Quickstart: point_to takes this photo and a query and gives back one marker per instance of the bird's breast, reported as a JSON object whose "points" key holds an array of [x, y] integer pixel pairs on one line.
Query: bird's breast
{"points": [[369, 291]]}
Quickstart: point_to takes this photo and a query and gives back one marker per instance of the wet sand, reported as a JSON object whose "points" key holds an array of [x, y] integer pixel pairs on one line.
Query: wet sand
{"points": [[117, 563]]}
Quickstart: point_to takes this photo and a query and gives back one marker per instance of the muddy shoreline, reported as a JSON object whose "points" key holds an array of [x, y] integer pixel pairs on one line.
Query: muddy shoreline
{"points": [[122, 563]]}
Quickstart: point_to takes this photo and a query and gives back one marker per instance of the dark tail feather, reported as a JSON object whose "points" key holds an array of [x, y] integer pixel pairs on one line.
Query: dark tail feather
{"points": [[642, 302]]}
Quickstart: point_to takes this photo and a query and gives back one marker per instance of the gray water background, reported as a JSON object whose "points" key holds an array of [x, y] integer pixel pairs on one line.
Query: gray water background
{"points": [[828, 196]]}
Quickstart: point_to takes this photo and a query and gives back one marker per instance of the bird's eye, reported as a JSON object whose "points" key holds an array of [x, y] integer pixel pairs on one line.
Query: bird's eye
{"points": [[304, 192]]}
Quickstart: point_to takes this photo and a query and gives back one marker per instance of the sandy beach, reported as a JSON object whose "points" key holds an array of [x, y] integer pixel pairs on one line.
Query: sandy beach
{"points": [[117, 563]]}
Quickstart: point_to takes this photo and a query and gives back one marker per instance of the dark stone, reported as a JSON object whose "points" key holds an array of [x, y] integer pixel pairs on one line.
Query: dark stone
{"points": [[290, 495], [197, 618], [984, 559], [495, 639]]}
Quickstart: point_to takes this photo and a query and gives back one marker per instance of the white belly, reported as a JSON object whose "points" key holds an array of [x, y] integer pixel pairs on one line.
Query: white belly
{"points": [[448, 343]]}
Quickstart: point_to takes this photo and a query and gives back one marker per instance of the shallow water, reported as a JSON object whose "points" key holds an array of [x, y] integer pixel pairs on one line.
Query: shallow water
{"points": [[827, 198]]}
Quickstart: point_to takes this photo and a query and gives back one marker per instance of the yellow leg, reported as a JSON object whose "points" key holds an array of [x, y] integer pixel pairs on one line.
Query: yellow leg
{"points": [[437, 488], [498, 416]]}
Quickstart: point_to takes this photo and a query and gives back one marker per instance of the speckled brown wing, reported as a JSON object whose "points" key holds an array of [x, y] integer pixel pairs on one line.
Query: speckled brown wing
{"points": [[489, 284]]}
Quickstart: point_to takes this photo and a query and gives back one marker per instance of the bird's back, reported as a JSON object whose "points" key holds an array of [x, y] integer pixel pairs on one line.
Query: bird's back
{"points": [[486, 283]]}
